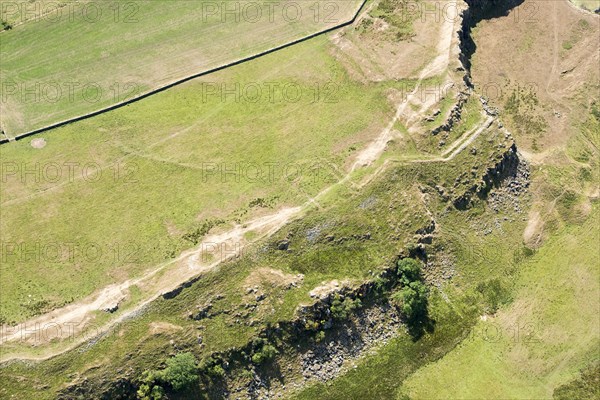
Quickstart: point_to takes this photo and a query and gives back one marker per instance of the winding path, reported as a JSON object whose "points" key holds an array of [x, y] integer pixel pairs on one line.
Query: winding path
{"points": [[214, 249]]}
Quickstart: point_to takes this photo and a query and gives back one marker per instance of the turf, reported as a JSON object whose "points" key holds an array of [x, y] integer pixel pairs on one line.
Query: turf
{"points": [[145, 176], [542, 340], [124, 49], [150, 329]]}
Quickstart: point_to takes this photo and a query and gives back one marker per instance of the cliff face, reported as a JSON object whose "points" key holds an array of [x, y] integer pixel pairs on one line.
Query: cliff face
{"points": [[477, 11], [509, 172]]}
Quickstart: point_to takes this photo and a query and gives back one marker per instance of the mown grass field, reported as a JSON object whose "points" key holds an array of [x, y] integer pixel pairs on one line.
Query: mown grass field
{"points": [[142, 177], [120, 50]]}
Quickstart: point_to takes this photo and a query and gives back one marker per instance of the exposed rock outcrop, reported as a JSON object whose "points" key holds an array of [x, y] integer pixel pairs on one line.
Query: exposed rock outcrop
{"points": [[510, 170]]}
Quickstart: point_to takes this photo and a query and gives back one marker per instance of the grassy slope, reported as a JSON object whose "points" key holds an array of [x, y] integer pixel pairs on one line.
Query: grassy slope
{"points": [[143, 341], [540, 341], [453, 307], [145, 45], [547, 327], [161, 146], [390, 209]]}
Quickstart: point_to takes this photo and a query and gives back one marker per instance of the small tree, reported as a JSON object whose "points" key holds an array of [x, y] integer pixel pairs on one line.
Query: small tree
{"points": [[148, 392], [267, 352], [149, 388], [212, 367], [340, 309], [181, 371], [412, 300], [409, 270]]}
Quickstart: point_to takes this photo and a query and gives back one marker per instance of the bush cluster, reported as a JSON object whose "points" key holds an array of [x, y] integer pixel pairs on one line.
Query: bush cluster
{"points": [[341, 309], [179, 374], [411, 298]]}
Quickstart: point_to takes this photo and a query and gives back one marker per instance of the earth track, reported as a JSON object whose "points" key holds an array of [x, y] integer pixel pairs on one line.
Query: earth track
{"points": [[189, 266]]}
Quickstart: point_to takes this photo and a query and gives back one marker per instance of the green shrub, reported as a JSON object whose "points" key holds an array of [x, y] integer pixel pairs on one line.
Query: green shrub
{"points": [[409, 270], [147, 392], [341, 309], [311, 325], [216, 371], [320, 336], [212, 367], [149, 388], [181, 371], [412, 300], [267, 352]]}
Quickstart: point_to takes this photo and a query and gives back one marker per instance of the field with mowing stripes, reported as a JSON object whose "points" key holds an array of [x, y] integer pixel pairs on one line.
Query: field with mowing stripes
{"points": [[62, 62]]}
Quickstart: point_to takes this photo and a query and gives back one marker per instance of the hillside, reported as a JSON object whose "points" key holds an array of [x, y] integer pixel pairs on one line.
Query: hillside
{"points": [[420, 222]]}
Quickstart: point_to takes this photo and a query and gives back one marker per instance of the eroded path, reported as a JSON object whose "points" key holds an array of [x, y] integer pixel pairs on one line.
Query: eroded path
{"points": [[69, 322]]}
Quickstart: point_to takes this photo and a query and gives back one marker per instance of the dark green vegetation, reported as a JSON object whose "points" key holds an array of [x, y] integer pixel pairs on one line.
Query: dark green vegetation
{"points": [[180, 373], [342, 309], [586, 387], [412, 297], [396, 16]]}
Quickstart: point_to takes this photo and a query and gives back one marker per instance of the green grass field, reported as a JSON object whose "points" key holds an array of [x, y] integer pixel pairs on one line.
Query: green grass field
{"points": [[144, 176], [541, 341], [123, 49], [512, 278]]}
